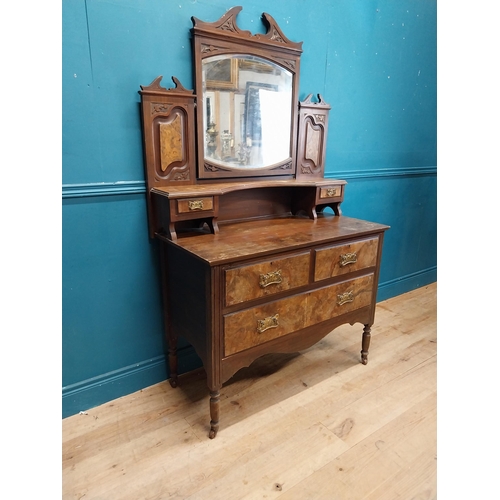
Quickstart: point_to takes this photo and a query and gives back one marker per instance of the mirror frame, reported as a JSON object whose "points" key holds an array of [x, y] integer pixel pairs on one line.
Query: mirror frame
{"points": [[225, 37]]}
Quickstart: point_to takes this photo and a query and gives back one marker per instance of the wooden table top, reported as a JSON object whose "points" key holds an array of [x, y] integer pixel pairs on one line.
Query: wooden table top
{"points": [[258, 238], [217, 189]]}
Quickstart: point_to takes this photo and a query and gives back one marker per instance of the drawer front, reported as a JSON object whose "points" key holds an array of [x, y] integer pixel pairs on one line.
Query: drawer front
{"points": [[266, 278], [252, 327], [191, 205], [255, 326], [342, 259], [330, 192], [338, 299]]}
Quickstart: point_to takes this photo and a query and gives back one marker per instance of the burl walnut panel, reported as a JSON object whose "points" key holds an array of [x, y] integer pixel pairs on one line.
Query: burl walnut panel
{"points": [[266, 278], [339, 299], [257, 325], [343, 259]]}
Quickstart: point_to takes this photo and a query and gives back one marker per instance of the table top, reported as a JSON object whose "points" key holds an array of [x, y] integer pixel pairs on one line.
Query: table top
{"points": [[220, 188], [237, 241]]}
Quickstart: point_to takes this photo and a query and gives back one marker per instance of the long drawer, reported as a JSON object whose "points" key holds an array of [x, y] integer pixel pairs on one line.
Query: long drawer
{"points": [[342, 259], [266, 278], [254, 326]]}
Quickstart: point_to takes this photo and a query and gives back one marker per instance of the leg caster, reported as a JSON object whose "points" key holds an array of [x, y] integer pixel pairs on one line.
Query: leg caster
{"points": [[365, 344], [214, 413]]}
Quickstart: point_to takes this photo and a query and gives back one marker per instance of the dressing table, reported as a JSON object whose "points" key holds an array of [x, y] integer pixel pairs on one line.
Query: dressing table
{"points": [[256, 254]]}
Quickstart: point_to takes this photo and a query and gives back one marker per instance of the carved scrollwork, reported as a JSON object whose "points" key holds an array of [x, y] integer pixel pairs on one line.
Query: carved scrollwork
{"points": [[155, 87], [276, 36], [321, 103], [157, 107], [286, 62], [181, 176], [228, 23], [207, 49], [211, 168], [285, 166]]}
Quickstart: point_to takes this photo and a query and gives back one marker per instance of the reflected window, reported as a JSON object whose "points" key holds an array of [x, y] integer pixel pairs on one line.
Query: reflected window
{"points": [[247, 109]]}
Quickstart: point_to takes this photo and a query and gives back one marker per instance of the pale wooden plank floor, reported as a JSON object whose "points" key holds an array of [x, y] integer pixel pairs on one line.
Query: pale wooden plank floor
{"points": [[314, 425]]}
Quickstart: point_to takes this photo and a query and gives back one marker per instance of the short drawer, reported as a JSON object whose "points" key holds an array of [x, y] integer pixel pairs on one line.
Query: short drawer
{"points": [[187, 206], [330, 192], [335, 300], [266, 278], [341, 259], [252, 327], [255, 326]]}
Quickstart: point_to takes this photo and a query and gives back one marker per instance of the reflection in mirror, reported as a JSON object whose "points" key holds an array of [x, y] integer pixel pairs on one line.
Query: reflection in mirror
{"points": [[247, 110]]}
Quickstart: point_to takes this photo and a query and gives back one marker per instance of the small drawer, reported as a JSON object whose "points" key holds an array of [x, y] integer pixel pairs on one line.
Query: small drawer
{"points": [[191, 205], [342, 259], [266, 278], [330, 192]]}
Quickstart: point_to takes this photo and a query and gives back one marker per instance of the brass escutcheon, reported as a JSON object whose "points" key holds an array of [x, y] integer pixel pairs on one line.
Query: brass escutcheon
{"points": [[266, 323], [344, 298], [331, 192], [348, 258], [272, 278], [195, 205]]}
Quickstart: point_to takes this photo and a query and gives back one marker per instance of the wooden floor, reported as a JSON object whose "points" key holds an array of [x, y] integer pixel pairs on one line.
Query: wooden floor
{"points": [[313, 425]]}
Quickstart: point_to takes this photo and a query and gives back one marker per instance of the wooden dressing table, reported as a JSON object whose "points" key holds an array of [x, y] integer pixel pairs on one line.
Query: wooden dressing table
{"points": [[251, 262]]}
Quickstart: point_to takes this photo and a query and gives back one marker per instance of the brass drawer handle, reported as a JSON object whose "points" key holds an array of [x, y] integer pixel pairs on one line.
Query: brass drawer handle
{"points": [[266, 323], [344, 298], [331, 192], [195, 205], [348, 258], [272, 278]]}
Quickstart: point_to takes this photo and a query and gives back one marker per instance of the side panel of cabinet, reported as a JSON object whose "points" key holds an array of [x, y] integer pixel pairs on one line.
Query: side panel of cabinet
{"points": [[312, 138], [188, 307], [169, 139]]}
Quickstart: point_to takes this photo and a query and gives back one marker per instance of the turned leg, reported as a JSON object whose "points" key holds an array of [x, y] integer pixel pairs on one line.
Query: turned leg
{"points": [[365, 344], [170, 335], [172, 360], [214, 413]]}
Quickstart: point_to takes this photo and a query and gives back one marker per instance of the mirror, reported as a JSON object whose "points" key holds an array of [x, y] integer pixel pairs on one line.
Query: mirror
{"points": [[247, 111], [246, 99]]}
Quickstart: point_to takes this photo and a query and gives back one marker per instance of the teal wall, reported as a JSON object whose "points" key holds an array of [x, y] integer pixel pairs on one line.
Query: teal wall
{"points": [[374, 61]]}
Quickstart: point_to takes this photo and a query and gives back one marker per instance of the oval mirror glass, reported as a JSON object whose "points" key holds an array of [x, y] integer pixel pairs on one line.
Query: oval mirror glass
{"points": [[247, 110]]}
